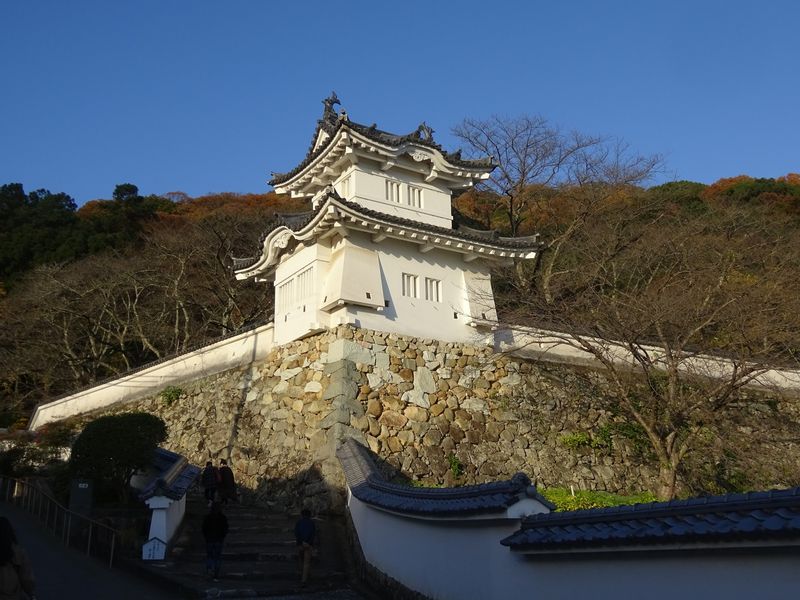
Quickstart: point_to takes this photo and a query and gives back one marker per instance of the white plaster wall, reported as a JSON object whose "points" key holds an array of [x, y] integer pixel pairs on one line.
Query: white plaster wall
{"points": [[221, 356], [175, 514], [418, 316], [368, 188], [551, 346], [455, 560], [302, 316], [667, 576], [464, 560]]}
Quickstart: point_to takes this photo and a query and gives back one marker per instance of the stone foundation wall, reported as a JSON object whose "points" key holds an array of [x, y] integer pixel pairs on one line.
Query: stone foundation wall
{"points": [[437, 413]]}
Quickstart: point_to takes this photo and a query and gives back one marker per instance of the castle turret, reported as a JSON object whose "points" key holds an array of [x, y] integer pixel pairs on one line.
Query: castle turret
{"points": [[379, 249]]}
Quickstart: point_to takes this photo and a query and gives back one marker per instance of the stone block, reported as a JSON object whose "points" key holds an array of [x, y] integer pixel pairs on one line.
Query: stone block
{"points": [[475, 405], [374, 444], [406, 437], [393, 419], [340, 387], [381, 360], [416, 413], [343, 349], [511, 380], [416, 397], [286, 374], [394, 444], [374, 426], [503, 415], [423, 380], [312, 387], [339, 415], [432, 438]]}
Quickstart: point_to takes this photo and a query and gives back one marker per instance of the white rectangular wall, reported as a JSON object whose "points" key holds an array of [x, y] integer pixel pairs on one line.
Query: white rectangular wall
{"points": [[368, 188], [447, 319]]}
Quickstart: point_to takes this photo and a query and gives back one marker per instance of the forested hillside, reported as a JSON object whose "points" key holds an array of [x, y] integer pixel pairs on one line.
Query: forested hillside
{"points": [[91, 292]]}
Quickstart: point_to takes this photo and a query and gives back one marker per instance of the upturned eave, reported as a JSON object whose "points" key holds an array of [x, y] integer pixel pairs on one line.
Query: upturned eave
{"points": [[347, 146], [336, 215]]}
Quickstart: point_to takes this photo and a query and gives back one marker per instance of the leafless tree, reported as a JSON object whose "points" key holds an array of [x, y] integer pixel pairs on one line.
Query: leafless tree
{"points": [[535, 160], [682, 315]]}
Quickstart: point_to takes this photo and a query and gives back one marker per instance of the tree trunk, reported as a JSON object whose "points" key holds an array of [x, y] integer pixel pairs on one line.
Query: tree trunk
{"points": [[667, 481]]}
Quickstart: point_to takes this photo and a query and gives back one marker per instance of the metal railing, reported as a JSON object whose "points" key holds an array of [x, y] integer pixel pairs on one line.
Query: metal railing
{"points": [[75, 530]]}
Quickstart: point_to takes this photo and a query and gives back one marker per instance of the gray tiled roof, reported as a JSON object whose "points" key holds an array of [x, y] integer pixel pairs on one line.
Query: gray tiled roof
{"points": [[369, 486], [297, 221], [176, 483], [330, 123], [735, 517]]}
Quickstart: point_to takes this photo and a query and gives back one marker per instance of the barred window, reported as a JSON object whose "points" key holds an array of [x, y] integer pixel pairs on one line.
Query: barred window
{"points": [[284, 297], [433, 289], [392, 191], [410, 285], [414, 196], [305, 284]]}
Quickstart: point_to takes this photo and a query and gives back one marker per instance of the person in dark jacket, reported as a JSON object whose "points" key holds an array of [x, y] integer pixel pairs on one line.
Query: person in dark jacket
{"points": [[209, 478], [215, 528], [227, 484], [16, 576], [305, 533]]}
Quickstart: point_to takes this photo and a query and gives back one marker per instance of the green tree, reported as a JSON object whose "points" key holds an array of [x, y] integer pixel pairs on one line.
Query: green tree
{"points": [[112, 448]]}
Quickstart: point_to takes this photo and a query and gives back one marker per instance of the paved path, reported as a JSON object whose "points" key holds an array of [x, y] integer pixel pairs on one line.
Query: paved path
{"points": [[65, 574]]}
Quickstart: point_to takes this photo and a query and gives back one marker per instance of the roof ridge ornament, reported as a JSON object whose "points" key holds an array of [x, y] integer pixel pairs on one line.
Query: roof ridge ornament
{"points": [[425, 132], [329, 103]]}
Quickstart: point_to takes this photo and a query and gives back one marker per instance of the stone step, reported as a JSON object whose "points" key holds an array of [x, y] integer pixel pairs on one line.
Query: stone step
{"points": [[252, 554], [235, 582]]}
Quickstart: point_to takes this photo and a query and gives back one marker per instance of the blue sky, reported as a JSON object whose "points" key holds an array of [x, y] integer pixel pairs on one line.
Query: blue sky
{"points": [[203, 96]]}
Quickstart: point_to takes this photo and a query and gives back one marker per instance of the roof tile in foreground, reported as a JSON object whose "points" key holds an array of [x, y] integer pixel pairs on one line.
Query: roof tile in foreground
{"points": [[174, 479], [369, 486], [752, 517]]}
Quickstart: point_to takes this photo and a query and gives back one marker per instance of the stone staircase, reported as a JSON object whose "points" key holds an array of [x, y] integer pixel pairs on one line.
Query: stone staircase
{"points": [[259, 558]]}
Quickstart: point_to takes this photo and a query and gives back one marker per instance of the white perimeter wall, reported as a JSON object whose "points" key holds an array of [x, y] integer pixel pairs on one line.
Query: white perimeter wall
{"points": [[540, 344], [464, 560], [458, 560], [227, 354]]}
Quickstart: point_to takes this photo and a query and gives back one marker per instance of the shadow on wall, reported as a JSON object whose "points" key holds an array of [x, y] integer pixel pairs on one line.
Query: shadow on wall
{"points": [[307, 489]]}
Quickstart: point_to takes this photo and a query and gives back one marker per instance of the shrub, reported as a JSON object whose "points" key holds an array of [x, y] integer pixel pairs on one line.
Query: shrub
{"points": [[456, 468], [170, 394], [111, 449], [583, 499], [576, 440]]}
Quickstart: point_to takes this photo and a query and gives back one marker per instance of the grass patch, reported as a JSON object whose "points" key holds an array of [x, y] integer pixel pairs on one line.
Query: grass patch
{"points": [[564, 500]]}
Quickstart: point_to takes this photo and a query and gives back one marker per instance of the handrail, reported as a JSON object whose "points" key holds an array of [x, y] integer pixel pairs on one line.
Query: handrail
{"points": [[73, 525]]}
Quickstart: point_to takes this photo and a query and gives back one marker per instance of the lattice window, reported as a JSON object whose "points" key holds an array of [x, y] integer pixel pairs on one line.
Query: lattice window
{"points": [[433, 289], [305, 284], [414, 196], [392, 191], [284, 296], [410, 283]]}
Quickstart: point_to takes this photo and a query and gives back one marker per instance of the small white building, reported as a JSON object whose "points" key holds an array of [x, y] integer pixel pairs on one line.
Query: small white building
{"points": [[380, 249]]}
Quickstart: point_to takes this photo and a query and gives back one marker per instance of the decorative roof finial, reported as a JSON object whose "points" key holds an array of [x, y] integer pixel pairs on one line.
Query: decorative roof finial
{"points": [[425, 132], [330, 102]]}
